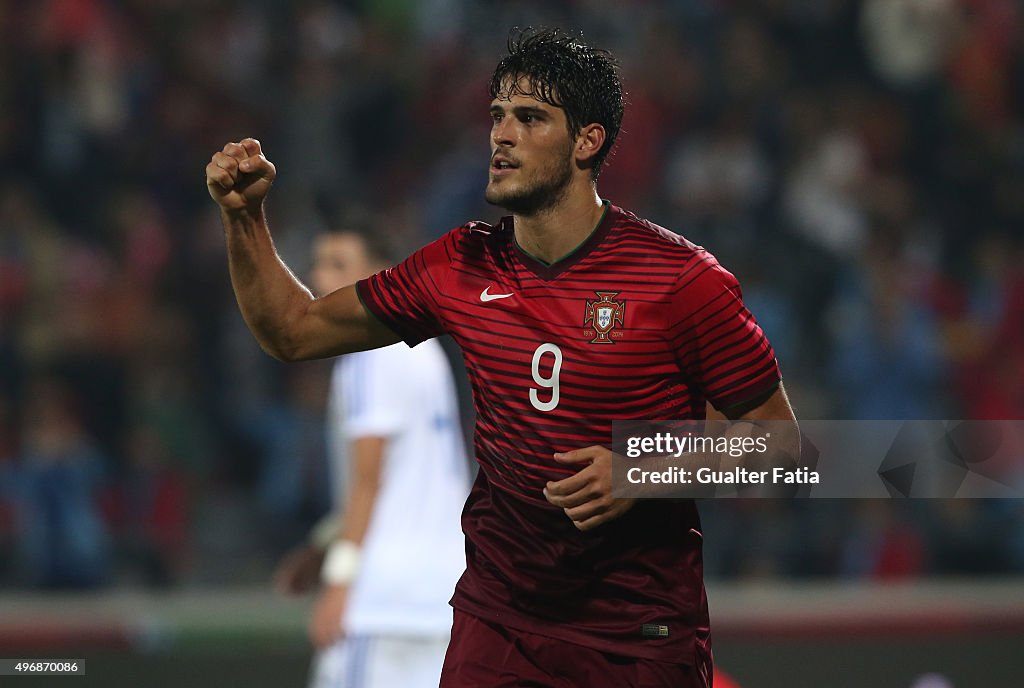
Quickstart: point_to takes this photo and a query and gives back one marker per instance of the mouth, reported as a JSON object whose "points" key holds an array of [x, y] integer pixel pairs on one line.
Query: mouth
{"points": [[501, 166]]}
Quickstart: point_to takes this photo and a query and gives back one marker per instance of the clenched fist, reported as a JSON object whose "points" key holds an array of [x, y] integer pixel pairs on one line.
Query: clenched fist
{"points": [[239, 176]]}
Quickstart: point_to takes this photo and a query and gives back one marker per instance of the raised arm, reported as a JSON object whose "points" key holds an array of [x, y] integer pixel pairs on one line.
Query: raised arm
{"points": [[287, 321]]}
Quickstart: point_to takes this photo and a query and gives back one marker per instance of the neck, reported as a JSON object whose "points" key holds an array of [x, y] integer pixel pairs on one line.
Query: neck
{"points": [[553, 233]]}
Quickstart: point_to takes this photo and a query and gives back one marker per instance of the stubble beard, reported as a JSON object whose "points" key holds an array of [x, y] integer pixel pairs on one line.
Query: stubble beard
{"points": [[546, 192]]}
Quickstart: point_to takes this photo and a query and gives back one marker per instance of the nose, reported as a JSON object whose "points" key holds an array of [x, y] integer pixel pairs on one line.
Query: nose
{"points": [[501, 133]]}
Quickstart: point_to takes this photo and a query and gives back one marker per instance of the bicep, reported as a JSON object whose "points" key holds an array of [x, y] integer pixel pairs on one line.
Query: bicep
{"points": [[339, 323], [771, 406], [774, 415], [718, 343]]}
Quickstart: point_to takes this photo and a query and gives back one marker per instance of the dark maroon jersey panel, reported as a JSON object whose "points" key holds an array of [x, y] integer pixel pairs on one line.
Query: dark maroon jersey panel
{"points": [[638, 323]]}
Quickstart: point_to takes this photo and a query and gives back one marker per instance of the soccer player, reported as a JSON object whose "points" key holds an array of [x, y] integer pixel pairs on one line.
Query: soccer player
{"points": [[571, 313], [383, 612]]}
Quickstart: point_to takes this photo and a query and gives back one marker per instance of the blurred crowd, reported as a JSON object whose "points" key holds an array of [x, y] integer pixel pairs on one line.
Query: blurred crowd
{"points": [[858, 164]]}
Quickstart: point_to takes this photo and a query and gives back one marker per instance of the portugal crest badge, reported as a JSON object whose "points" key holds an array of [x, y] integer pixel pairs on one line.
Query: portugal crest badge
{"points": [[602, 316]]}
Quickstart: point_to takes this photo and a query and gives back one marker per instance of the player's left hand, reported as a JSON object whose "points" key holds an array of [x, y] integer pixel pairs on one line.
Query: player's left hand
{"points": [[325, 624], [586, 497]]}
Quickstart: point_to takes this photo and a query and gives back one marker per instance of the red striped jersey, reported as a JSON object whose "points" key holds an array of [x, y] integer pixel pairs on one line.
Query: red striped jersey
{"points": [[637, 323]]}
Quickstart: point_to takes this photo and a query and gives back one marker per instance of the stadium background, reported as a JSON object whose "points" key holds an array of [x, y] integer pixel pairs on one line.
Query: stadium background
{"points": [[858, 165]]}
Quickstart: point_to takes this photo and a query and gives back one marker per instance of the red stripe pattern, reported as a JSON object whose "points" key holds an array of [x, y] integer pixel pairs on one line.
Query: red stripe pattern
{"points": [[685, 336], [638, 323]]}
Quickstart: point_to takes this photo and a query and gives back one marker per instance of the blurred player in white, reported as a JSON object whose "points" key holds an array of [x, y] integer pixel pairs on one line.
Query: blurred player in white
{"points": [[382, 618]]}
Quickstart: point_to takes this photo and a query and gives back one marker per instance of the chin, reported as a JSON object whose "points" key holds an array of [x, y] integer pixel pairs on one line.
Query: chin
{"points": [[499, 197]]}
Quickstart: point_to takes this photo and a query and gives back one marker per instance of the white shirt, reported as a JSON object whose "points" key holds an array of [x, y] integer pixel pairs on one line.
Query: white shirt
{"points": [[413, 552]]}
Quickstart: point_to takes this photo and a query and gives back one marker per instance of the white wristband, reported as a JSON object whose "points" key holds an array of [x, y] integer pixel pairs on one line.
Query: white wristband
{"points": [[341, 563]]}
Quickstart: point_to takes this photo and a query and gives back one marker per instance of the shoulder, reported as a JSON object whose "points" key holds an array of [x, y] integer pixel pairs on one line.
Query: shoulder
{"points": [[473, 246], [467, 244], [695, 269], [477, 232], [663, 244], [477, 236], [478, 229], [630, 227], [455, 241]]}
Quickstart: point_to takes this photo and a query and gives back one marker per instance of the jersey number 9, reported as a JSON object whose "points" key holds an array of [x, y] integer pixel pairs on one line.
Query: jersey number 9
{"points": [[550, 382]]}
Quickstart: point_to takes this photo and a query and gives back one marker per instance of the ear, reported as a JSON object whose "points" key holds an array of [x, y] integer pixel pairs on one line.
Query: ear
{"points": [[588, 144]]}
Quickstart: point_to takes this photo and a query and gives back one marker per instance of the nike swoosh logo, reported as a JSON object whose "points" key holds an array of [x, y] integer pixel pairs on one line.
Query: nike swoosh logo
{"points": [[486, 296]]}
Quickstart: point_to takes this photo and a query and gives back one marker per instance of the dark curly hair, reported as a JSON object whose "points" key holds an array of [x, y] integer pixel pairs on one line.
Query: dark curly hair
{"points": [[559, 69]]}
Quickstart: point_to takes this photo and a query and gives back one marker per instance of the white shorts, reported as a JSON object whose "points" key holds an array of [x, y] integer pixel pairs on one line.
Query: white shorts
{"points": [[372, 661]]}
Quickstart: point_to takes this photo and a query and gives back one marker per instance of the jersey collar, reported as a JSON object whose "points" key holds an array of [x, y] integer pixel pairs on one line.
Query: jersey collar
{"points": [[549, 271]]}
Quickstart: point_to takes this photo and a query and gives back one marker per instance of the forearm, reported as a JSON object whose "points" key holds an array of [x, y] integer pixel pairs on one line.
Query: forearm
{"points": [[751, 441], [271, 299], [283, 315], [760, 446], [341, 565], [356, 519], [692, 463], [367, 464]]}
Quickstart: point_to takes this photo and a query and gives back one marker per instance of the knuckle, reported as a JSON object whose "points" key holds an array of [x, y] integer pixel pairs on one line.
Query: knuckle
{"points": [[584, 511]]}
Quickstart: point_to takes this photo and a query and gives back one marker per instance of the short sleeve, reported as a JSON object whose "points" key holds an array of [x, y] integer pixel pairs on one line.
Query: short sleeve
{"points": [[718, 343], [406, 297], [373, 403]]}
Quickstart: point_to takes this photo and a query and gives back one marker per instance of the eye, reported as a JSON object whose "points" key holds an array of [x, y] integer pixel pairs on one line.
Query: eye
{"points": [[526, 118], [496, 116]]}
